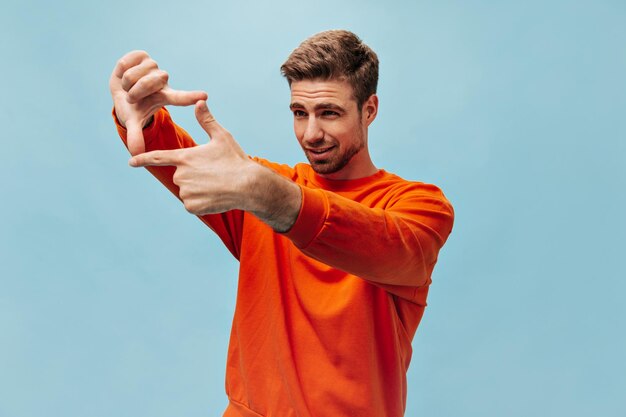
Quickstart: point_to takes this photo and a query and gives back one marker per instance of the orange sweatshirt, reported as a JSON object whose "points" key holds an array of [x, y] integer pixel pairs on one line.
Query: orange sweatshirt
{"points": [[326, 312]]}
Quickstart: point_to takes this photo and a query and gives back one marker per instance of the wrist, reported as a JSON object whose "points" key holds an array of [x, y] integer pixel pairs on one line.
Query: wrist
{"points": [[122, 123], [274, 199], [118, 119], [252, 181]]}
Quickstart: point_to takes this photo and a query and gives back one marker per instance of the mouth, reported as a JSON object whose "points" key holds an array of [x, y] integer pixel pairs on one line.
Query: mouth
{"points": [[319, 155], [318, 152]]}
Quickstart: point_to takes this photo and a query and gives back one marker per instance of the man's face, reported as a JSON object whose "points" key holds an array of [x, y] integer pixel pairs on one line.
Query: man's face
{"points": [[329, 126]]}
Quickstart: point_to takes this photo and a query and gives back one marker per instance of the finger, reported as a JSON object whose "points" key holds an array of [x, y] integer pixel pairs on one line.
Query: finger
{"points": [[147, 85], [128, 61], [134, 74], [183, 98], [156, 158], [134, 137], [206, 119]]}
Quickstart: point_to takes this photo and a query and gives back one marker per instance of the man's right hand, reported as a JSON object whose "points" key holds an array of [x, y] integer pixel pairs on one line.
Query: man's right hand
{"points": [[139, 89]]}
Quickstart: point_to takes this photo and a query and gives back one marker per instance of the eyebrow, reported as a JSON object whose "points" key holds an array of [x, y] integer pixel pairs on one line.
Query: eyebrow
{"points": [[319, 106]]}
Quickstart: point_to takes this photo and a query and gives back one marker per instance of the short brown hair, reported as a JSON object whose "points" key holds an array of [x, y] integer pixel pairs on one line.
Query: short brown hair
{"points": [[335, 54]]}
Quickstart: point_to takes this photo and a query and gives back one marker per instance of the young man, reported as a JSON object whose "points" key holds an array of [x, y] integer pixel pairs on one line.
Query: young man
{"points": [[335, 255]]}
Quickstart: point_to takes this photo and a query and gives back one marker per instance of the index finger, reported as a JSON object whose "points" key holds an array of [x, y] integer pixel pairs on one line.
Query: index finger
{"points": [[183, 98], [156, 158]]}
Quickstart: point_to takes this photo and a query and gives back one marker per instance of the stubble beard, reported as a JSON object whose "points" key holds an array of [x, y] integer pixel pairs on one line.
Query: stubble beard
{"points": [[336, 162]]}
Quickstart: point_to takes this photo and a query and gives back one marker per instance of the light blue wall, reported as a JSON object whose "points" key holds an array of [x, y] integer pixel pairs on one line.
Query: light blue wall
{"points": [[115, 302]]}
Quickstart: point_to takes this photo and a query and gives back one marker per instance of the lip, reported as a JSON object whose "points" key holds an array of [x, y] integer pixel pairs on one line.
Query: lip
{"points": [[319, 153]]}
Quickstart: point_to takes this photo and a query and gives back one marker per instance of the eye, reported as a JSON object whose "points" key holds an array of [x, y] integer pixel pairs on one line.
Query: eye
{"points": [[299, 113], [330, 113]]}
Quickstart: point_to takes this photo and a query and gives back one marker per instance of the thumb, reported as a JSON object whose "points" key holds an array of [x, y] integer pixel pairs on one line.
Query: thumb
{"points": [[206, 119], [134, 137]]}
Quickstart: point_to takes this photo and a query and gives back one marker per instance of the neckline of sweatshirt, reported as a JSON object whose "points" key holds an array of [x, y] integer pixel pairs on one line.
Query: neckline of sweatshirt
{"points": [[338, 185]]}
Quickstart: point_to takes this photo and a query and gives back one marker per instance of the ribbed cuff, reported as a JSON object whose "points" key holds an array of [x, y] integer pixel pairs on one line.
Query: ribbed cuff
{"points": [[149, 132], [311, 218]]}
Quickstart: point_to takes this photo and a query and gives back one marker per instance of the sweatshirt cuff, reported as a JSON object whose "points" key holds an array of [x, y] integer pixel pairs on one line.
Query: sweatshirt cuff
{"points": [[150, 132], [311, 219]]}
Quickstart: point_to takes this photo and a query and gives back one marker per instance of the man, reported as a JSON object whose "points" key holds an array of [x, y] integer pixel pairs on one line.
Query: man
{"points": [[335, 255]]}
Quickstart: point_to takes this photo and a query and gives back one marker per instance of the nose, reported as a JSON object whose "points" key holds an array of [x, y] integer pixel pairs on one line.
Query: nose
{"points": [[313, 131]]}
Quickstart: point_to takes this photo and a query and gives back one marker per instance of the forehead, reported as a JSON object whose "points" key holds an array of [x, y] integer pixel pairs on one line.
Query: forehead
{"points": [[310, 92]]}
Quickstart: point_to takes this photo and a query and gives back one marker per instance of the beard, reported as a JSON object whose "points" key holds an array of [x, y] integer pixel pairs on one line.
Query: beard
{"points": [[336, 161], [337, 158]]}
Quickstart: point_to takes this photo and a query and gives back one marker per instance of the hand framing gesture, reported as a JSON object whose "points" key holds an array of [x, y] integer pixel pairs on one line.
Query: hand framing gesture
{"points": [[212, 178]]}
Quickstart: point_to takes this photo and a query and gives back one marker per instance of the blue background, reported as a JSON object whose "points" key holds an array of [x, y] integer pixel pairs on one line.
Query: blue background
{"points": [[116, 302]]}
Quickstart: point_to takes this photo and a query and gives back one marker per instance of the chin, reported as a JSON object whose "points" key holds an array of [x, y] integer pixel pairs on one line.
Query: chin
{"points": [[325, 167], [323, 170]]}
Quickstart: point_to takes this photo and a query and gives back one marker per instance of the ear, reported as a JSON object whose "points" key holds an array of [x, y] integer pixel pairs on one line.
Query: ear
{"points": [[370, 109]]}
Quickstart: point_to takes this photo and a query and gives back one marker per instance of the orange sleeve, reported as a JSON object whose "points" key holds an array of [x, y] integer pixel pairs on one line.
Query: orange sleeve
{"points": [[396, 245], [163, 133]]}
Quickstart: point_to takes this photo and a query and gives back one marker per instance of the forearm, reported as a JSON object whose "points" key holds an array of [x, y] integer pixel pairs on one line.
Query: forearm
{"points": [[275, 200]]}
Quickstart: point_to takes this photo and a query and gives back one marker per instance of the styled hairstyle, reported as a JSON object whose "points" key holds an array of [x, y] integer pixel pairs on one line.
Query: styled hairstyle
{"points": [[335, 55]]}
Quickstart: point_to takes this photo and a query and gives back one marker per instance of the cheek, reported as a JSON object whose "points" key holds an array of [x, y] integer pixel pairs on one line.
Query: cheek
{"points": [[299, 129], [342, 132]]}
